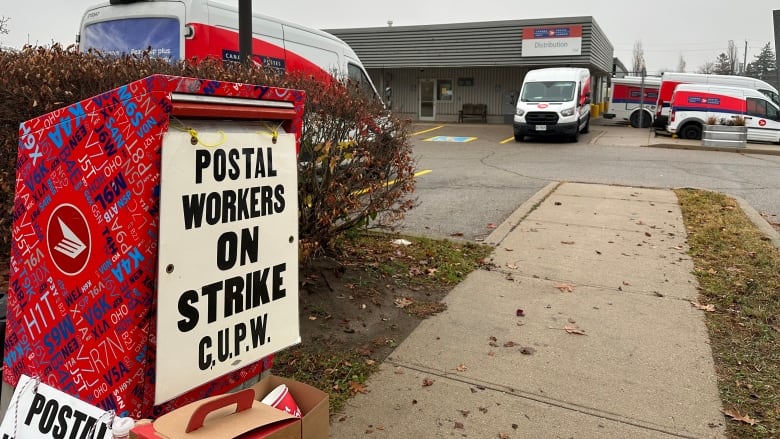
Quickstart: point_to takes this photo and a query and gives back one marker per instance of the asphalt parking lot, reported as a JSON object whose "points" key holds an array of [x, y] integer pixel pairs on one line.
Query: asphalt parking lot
{"points": [[472, 176]]}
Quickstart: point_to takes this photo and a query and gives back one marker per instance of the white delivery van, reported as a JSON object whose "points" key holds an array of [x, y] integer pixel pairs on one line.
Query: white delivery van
{"points": [[553, 101], [197, 29], [692, 105], [670, 80]]}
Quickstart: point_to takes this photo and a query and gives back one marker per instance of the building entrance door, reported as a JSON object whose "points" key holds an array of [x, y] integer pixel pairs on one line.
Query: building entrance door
{"points": [[427, 99]]}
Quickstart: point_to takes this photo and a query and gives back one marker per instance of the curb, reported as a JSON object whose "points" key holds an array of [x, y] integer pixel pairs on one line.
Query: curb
{"points": [[513, 220], [763, 225], [747, 150]]}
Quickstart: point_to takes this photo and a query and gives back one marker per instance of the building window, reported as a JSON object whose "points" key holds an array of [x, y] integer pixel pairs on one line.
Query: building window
{"points": [[444, 90]]}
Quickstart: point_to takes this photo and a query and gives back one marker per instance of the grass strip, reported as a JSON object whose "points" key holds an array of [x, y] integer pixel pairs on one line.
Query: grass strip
{"points": [[738, 271]]}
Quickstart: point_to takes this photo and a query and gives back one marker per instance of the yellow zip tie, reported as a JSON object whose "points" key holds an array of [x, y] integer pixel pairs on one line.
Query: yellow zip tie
{"points": [[274, 132], [194, 136]]}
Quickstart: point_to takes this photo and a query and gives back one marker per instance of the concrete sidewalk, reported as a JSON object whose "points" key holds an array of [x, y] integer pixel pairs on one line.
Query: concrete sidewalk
{"points": [[609, 344]]}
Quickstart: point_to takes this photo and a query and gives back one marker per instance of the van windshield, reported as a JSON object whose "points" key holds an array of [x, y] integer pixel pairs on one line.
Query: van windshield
{"points": [[774, 97], [132, 36], [548, 91]]}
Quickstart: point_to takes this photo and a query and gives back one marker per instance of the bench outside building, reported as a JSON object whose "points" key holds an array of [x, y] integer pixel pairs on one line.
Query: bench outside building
{"points": [[473, 111]]}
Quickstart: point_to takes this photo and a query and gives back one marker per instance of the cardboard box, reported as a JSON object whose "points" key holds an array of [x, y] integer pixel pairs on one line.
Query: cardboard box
{"points": [[313, 403], [242, 415]]}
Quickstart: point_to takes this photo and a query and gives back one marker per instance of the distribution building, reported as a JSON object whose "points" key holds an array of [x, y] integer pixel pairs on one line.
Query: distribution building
{"points": [[434, 69]]}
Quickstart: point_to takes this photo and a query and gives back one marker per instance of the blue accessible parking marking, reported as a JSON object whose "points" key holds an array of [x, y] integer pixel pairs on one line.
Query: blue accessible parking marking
{"points": [[450, 139]]}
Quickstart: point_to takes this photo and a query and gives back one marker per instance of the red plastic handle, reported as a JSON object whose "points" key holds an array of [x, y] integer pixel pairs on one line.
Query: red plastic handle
{"points": [[242, 399]]}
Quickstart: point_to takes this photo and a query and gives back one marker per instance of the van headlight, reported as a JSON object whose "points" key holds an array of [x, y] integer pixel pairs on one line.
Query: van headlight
{"points": [[519, 112], [567, 111]]}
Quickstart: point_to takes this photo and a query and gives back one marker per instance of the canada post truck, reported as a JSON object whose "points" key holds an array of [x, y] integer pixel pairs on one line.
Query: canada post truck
{"points": [[670, 80], [553, 102], [694, 105]]}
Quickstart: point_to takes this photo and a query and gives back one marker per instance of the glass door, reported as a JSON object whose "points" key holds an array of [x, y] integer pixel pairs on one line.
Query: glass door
{"points": [[427, 99]]}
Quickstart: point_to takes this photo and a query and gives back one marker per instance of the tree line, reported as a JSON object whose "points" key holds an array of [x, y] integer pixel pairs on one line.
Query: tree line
{"points": [[763, 66]]}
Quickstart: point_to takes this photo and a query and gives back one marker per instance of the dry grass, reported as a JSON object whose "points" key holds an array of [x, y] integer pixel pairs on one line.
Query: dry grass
{"points": [[739, 272]]}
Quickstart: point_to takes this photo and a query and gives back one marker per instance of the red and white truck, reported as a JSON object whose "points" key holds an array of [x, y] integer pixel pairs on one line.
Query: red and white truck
{"points": [[633, 99], [694, 105], [196, 29], [670, 80]]}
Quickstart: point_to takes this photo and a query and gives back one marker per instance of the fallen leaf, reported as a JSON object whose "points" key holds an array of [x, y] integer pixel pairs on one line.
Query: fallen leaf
{"points": [[465, 413], [735, 416], [491, 226], [483, 409], [567, 242], [370, 362], [528, 351], [511, 266], [491, 354], [403, 302], [356, 387], [427, 382], [432, 271], [520, 313], [509, 249], [626, 284], [459, 425], [573, 330], [565, 288], [707, 308], [457, 234], [399, 370], [510, 344], [462, 368], [648, 234], [503, 436], [380, 427], [712, 271], [312, 317]]}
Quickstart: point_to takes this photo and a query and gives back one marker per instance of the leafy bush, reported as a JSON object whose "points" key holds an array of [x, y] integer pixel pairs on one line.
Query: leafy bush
{"points": [[356, 163]]}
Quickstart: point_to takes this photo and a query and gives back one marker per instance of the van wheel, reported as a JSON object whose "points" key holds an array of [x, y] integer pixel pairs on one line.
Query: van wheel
{"points": [[646, 120], [586, 129], [690, 131], [575, 137]]}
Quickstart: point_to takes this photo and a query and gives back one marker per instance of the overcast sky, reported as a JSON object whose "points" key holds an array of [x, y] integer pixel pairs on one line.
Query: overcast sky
{"points": [[697, 30]]}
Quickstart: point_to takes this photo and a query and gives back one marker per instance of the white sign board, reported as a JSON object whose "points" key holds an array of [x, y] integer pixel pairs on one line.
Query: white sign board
{"points": [[228, 257], [40, 411], [557, 40]]}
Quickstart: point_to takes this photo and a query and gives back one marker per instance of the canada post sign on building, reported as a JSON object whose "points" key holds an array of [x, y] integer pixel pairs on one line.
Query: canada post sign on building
{"points": [[552, 41]]}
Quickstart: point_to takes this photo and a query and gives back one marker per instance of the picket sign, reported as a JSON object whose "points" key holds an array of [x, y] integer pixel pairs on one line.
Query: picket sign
{"points": [[39, 411]]}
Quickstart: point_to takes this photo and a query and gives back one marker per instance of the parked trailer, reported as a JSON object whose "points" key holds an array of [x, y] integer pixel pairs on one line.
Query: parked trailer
{"points": [[627, 102]]}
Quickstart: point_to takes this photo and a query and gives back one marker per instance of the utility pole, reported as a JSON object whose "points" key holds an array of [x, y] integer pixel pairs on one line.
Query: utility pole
{"points": [[744, 63], [245, 31]]}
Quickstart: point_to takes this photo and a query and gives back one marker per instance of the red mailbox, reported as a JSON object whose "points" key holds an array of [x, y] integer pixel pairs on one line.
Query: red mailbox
{"points": [[140, 230]]}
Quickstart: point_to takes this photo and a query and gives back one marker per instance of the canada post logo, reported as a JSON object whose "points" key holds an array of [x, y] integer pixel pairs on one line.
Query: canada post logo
{"points": [[68, 239]]}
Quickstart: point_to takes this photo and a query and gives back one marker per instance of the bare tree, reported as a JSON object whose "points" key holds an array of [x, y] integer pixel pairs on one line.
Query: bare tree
{"points": [[638, 61], [681, 64], [733, 55], [4, 24], [708, 68]]}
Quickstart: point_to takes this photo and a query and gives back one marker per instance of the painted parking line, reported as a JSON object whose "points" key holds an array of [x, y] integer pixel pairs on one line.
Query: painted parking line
{"points": [[392, 182], [455, 139], [428, 130], [507, 140]]}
